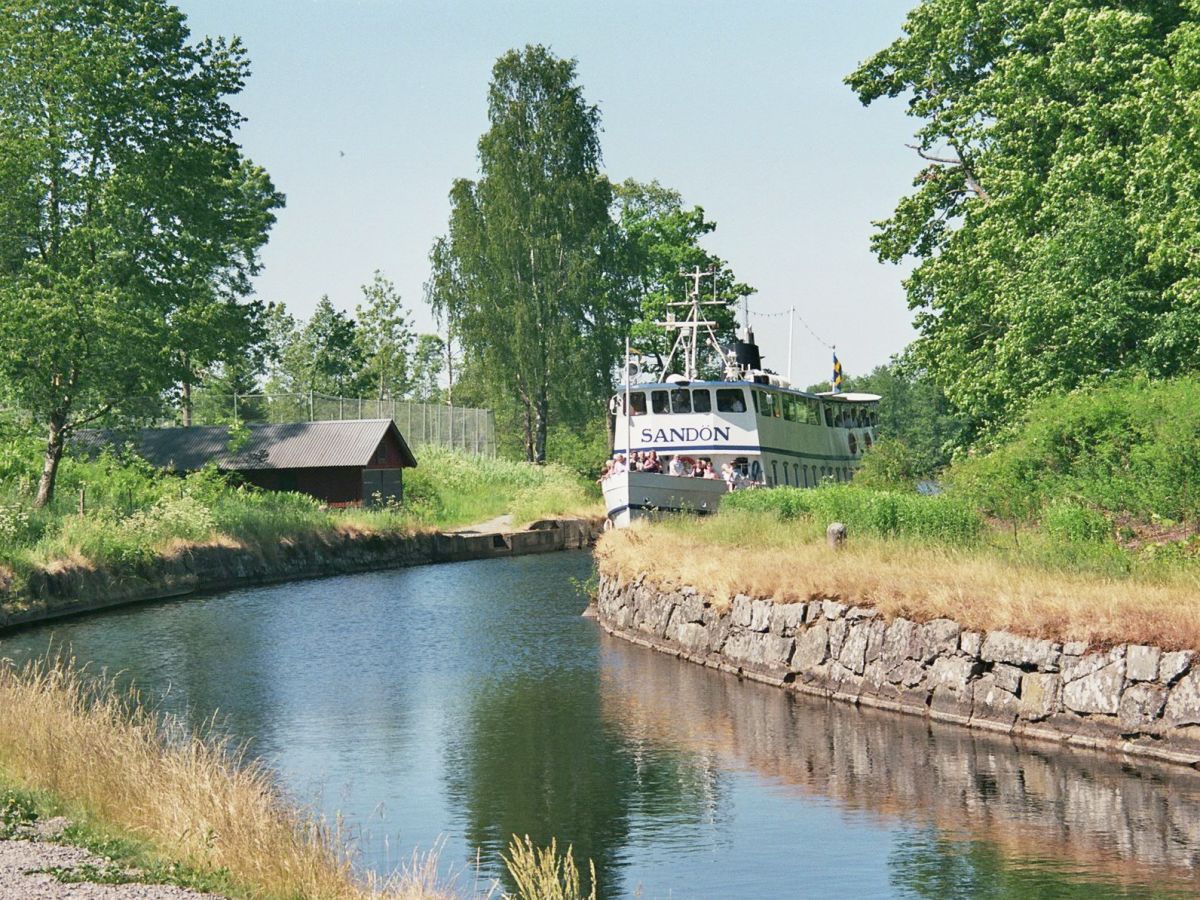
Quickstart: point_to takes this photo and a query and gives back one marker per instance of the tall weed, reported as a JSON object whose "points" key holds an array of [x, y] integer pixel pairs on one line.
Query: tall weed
{"points": [[882, 513]]}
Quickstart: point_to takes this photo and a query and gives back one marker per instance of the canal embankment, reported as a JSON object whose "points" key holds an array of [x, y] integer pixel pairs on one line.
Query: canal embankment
{"points": [[1136, 699], [69, 588]]}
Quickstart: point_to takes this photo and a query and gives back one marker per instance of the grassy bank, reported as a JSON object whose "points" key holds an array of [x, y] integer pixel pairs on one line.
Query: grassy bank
{"points": [[189, 809], [1078, 523], [142, 791], [982, 579], [132, 512]]}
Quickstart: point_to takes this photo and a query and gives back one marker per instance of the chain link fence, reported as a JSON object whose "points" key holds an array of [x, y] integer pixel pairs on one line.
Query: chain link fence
{"points": [[459, 427]]}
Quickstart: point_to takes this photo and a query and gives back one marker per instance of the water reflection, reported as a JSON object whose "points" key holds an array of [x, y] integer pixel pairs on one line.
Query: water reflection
{"points": [[1002, 819], [470, 702]]}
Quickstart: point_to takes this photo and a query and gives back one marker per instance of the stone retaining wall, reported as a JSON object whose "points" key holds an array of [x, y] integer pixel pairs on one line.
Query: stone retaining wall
{"points": [[1133, 699], [69, 590]]}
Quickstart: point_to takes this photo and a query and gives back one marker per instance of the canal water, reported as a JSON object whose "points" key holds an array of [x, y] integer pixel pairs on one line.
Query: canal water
{"points": [[453, 706]]}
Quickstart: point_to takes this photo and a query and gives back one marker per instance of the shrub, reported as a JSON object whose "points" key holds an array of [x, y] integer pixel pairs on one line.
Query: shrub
{"points": [[1130, 446], [1072, 522], [890, 465]]}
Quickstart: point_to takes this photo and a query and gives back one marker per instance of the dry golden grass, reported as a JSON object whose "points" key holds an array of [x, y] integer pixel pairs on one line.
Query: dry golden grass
{"points": [[195, 801], [725, 556]]}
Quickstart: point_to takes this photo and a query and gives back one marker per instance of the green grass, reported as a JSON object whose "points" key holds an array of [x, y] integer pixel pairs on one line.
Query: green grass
{"points": [[134, 512], [882, 513]]}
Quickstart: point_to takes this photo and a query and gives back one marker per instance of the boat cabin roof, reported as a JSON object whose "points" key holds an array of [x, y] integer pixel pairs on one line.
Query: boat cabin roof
{"points": [[849, 397]]}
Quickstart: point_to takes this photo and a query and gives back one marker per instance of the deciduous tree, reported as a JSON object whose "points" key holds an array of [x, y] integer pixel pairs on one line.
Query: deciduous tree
{"points": [[1053, 212], [128, 213], [660, 238], [524, 274], [385, 337]]}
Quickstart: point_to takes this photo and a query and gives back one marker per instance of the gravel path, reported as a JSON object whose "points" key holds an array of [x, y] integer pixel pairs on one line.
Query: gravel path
{"points": [[20, 878]]}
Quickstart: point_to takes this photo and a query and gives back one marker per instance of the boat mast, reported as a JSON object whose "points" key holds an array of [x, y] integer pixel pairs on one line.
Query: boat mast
{"points": [[688, 339]]}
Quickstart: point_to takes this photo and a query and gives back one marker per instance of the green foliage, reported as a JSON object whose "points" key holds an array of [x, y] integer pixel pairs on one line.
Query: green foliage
{"points": [[1071, 522], [879, 513], [522, 276], [913, 411], [18, 810], [324, 355], [1130, 447], [582, 450], [385, 338], [130, 221], [134, 512], [659, 239], [1053, 217], [890, 465]]}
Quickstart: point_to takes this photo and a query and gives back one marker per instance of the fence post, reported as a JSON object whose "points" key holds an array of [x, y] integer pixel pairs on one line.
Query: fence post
{"points": [[310, 405], [235, 409], [82, 499]]}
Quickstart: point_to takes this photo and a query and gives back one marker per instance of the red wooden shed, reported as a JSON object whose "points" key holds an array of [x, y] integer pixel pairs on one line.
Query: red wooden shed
{"points": [[343, 463]]}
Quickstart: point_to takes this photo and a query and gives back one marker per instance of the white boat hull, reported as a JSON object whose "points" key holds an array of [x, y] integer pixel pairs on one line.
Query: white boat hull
{"points": [[642, 495]]}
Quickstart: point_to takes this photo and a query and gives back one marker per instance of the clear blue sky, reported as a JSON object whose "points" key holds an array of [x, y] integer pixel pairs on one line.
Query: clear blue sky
{"points": [[739, 106]]}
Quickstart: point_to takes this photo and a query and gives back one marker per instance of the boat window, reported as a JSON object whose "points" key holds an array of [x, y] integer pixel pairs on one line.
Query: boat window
{"points": [[681, 400], [789, 409], [853, 444], [731, 400], [796, 474], [775, 471], [828, 416], [701, 400], [637, 402], [804, 472], [659, 402], [814, 412]]}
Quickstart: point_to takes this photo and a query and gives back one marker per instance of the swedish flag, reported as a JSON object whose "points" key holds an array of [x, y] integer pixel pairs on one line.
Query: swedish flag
{"points": [[836, 382]]}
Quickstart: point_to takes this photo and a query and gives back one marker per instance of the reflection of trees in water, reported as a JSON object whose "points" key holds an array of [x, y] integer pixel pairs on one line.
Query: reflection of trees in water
{"points": [[1010, 801], [536, 757], [928, 864]]}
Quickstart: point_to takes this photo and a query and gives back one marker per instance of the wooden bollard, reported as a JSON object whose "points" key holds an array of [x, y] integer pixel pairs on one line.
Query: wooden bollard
{"points": [[835, 535]]}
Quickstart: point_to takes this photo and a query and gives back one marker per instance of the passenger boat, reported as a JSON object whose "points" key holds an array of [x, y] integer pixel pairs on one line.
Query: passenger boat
{"points": [[751, 419]]}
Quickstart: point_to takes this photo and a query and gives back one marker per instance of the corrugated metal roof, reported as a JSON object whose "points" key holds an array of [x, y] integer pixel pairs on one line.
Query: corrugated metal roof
{"points": [[295, 445]]}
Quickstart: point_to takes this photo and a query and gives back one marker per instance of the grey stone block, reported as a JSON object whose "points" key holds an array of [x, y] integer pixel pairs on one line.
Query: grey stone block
{"points": [[1039, 695], [1141, 706], [1172, 665], [1018, 650], [1183, 705], [1099, 692], [812, 648], [1008, 678], [1141, 662]]}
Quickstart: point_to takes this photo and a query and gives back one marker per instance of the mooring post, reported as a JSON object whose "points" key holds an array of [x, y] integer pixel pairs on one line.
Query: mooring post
{"points": [[835, 535], [82, 500]]}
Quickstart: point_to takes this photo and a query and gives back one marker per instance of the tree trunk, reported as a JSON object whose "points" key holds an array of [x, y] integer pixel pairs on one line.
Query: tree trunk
{"points": [[528, 409], [539, 448], [187, 404], [55, 439], [187, 392], [611, 421]]}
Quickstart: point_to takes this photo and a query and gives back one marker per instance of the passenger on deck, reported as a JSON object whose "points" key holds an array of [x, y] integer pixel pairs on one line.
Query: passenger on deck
{"points": [[651, 463], [619, 465], [676, 467]]}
